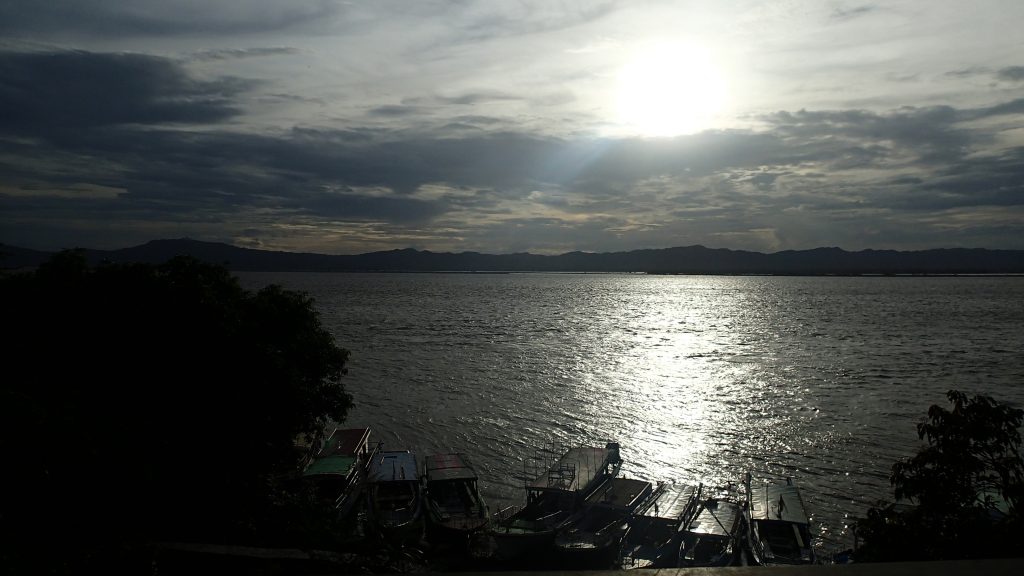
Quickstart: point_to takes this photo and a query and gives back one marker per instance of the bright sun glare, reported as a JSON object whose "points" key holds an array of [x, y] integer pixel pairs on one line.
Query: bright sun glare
{"points": [[668, 89]]}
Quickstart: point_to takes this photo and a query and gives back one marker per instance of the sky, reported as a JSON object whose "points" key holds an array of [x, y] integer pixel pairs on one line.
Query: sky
{"points": [[344, 127]]}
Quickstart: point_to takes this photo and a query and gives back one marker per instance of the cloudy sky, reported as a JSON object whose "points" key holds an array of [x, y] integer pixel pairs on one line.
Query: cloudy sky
{"points": [[504, 126]]}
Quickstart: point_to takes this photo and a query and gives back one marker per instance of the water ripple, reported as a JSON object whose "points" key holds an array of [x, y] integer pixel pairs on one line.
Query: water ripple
{"points": [[698, 378]]}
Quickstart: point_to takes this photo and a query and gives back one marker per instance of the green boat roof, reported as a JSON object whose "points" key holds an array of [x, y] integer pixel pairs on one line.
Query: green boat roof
{"points": [[334, 465]]}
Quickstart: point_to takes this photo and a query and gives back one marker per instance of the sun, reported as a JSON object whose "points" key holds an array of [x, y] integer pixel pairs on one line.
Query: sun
{"points": [[669, 89]]}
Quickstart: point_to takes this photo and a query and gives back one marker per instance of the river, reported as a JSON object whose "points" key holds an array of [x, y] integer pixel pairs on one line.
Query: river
{"points": [[699, 378]]}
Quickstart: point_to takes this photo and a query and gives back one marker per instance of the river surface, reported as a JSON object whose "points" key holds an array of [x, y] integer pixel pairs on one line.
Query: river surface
{"points": [[699, 378]]}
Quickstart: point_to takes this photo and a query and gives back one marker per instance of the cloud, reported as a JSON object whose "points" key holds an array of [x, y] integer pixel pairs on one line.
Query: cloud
{"points": [[1011, 74], [98, 144], [160, 17], [63, 92], [239, 53], [841, 13]]}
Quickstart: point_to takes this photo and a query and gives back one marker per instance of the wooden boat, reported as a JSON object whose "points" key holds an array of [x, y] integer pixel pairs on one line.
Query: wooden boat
{"points": [[778, 526], [337, 470], [455, 508], [592, 537], [712, 536], [525, 536], [655, 529], [394, 502]]}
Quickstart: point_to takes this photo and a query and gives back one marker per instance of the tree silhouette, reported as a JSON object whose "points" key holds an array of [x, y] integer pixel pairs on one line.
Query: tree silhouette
{"points": [[961, 494], [144, 403]]}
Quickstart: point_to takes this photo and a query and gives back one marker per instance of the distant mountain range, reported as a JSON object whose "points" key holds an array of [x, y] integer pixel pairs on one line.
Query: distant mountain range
{"points": [[681, 260]]}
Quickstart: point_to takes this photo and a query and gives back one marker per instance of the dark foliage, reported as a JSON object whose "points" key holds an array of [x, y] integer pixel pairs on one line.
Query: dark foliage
{"points": [[960, 496], [143, 403]]}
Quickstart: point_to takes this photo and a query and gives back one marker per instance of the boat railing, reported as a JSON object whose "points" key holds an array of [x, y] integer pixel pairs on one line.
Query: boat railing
{"points": [[347, 498], [505, 513]]}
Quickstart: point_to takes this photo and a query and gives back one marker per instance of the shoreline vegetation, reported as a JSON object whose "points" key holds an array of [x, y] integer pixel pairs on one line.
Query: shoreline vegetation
{"points": [[678, 260], [151, 412]]}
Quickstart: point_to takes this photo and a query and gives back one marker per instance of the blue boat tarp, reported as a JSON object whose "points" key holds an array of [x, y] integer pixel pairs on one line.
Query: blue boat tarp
{"points": [[393, 466]]}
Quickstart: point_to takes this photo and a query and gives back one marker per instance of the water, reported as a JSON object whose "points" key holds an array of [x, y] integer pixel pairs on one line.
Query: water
{"points": [[699, 378]]}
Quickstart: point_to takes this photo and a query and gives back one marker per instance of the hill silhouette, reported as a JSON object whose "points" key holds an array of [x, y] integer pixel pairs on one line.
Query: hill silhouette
{"points": [[678, 260]]}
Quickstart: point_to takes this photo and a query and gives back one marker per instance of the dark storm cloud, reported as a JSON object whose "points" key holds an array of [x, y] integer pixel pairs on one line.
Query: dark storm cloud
{"points": [[162, 18], [59, 92], [1011, 73]]}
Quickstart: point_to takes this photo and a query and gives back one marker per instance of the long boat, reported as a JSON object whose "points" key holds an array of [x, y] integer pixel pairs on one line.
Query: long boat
{"points": [[713, 535], [526, 535], [455, 508], [592, 537], [337, 470], [394, 499], [655, 533], [778, 525]]}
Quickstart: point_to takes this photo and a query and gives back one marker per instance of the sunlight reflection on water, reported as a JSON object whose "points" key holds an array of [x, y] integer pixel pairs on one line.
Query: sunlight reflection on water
{"points": [[698, 378]]}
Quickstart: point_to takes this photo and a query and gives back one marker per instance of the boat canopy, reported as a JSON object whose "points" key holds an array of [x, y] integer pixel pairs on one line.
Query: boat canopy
{"points": [[441, 467], [394, 466], [672, 501], [577, 469], [331, 465], [620, 493], [777, 501], [716, 518], [345, 442]]}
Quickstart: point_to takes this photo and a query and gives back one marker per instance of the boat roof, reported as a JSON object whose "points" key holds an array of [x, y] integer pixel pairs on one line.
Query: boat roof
{"points": [[393, 466], [620, 493], [345, 442], [441, 467], [575, 470], [331, 465], [716, 517], [671, 501], [777, 501]]}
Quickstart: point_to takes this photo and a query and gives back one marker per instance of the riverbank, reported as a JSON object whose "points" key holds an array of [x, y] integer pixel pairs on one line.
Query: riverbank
{"points": [[177, 558]]}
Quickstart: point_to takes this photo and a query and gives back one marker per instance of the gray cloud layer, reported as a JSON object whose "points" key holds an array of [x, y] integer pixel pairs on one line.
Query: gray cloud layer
{"points": [[111, 149]]}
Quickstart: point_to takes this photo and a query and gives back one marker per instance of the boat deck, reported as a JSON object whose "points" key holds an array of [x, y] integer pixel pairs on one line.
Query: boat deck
{"points": [[441, 467], [672, 502], [575, 470], [777, 501], [620, 493], [346, 442], [717, 519], [340, 453], [393, 466]]}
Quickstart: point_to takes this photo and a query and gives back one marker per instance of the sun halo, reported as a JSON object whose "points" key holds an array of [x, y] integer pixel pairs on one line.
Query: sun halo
{"points": [[669, 89]]}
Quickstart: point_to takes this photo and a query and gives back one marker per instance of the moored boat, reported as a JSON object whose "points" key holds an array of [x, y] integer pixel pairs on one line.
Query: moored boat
{"points": [[394, 502], [337, 470], [593, 536], [778, 525], [525, 536], [713, 535], [455, 508], [654, 536]]}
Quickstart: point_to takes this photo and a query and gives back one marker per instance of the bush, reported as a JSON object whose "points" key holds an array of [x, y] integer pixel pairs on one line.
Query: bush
{"points": [[145, 403], [960, 496]]}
